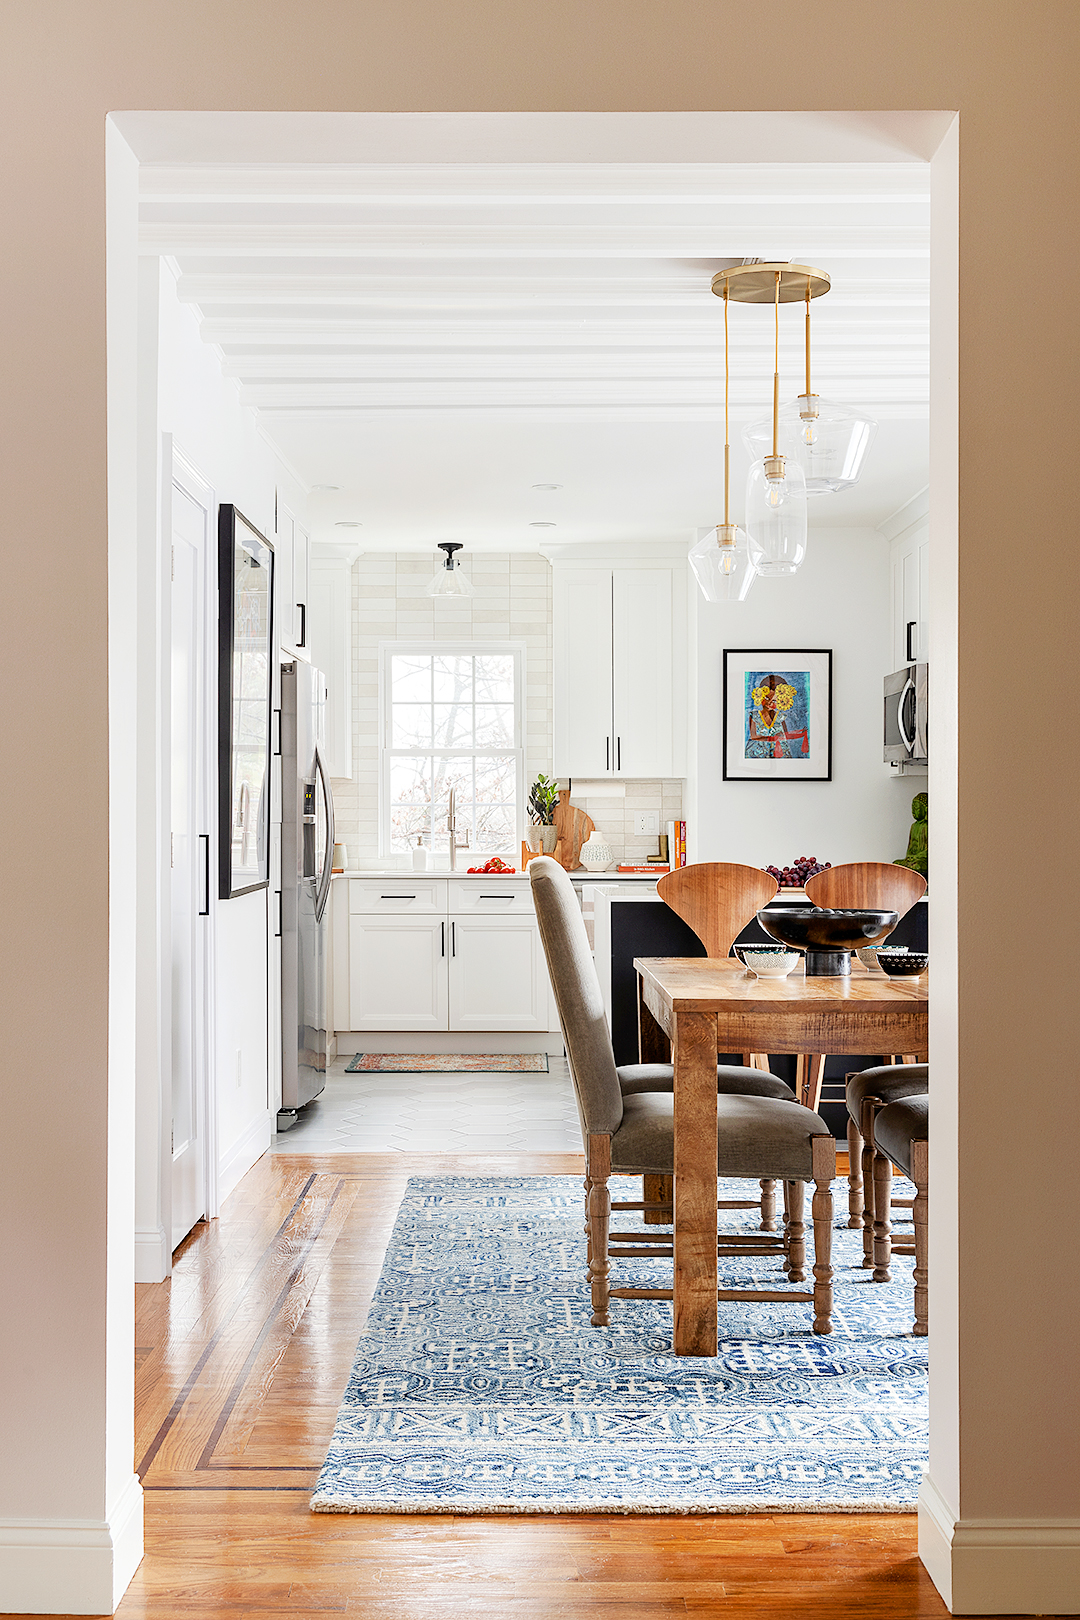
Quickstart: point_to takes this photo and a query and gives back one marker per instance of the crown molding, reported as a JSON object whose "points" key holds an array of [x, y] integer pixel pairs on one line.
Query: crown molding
{"points": [[915, 510]]}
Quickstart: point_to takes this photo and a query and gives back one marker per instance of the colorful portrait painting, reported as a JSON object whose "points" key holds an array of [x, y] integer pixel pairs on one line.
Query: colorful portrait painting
{"points": [[777, 714]]}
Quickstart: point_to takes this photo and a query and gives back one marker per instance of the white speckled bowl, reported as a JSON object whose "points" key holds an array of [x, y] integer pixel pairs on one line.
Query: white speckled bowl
{"points": [[868, 954], [769, 964]]}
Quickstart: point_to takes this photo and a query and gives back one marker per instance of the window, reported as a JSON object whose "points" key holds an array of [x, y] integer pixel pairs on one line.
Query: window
{"points": [[452, 718]]}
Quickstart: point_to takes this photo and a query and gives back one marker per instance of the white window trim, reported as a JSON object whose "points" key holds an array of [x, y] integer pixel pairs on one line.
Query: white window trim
{"points": [[470, 649]]}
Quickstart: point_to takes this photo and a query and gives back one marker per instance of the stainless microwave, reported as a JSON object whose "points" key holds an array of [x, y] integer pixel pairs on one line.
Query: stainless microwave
{"points": [[906, 721]]}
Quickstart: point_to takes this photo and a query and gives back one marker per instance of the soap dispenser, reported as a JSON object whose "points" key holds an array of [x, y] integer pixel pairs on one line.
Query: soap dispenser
{"points": [[419, 855]]}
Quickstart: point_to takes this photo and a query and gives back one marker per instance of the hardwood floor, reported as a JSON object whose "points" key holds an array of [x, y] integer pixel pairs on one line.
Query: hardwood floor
{"points": [[243, 1356]]}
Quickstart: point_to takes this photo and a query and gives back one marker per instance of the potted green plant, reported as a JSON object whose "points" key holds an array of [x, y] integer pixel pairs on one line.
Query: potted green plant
{"points": [[543, 800]]}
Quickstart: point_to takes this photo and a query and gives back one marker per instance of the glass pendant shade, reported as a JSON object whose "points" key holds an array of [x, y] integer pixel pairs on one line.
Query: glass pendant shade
{"points": [[776, 516], [450, 581], [722, 565], [828, 441]]}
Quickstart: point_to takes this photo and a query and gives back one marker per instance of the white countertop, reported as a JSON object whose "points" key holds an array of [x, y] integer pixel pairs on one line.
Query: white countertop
{"points": [[580, 876]]}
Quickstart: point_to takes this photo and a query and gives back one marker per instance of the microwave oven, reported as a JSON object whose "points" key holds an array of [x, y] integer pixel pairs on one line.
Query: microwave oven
{"points": [[906, 720]]}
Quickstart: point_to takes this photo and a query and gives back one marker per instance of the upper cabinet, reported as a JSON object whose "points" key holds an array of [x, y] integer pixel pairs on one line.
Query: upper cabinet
{"points": [[329, 644], [619, 655], [294, 574], [909, 555]]}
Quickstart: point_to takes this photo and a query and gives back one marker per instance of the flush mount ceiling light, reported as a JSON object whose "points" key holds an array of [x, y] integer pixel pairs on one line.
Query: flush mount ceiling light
{"points": [[543, 525], [721, 559], [829, 441], [547, 486], [776, 483], [450, 581], [324, 487], [348, 525]]}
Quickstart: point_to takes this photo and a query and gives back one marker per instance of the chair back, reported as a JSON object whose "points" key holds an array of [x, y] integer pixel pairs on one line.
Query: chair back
{"points": [[577, 995], [717, 899], [873, 885]]}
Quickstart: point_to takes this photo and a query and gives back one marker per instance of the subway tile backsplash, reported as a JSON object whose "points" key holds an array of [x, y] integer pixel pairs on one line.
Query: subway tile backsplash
{"points": [[512, 602]]}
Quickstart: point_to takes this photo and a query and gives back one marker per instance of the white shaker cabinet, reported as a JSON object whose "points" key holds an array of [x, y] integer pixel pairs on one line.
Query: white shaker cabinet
{"points": [[292, 564], [498, 976], [619, 649], [909, 557], [397, 972]]}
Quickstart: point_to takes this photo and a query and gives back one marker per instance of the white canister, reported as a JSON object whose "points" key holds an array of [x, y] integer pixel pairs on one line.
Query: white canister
{"points": [[419, 856], [340, 861], [595, 854]]}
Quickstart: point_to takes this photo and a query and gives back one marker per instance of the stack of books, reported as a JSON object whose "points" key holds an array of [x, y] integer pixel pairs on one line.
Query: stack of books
{"points": [[676, 843]]}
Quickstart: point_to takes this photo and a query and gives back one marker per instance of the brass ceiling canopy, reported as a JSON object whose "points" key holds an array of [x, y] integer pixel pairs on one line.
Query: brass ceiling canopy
{"points": [[756, 283]]}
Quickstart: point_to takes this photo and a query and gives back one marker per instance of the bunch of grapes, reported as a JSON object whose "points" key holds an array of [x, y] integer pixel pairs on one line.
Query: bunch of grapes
{"points": [[794, 876]]}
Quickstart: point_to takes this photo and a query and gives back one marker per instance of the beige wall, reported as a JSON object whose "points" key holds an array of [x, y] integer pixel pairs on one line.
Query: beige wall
{"points": [[1011, 71]]}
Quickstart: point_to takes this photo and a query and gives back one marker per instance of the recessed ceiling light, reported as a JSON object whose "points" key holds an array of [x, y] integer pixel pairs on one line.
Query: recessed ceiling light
{"points": [[547, 486], [348, 525], [542, 525]]}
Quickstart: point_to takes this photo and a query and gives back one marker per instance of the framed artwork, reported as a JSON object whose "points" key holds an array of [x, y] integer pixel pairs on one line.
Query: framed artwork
{"points": [[245, 675], [777, 714]]}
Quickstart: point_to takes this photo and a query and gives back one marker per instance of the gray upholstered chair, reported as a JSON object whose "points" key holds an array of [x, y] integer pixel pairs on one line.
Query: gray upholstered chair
{"points": [[633, 1133], [867, 1091], [902, 1137]]}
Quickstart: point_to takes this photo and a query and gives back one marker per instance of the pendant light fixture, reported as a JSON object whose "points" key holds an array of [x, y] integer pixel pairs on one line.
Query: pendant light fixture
{"points": [[829, 441], [776, 485], [721, 559], [450, 581]]}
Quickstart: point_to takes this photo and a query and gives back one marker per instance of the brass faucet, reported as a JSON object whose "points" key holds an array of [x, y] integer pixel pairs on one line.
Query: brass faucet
{"points": [[451, 827]]}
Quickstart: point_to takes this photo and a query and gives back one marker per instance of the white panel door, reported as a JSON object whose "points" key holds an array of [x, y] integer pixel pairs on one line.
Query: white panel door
{"points": [[581, 659], [397, 972], [498, 977], [642, 657], [189, 865]]}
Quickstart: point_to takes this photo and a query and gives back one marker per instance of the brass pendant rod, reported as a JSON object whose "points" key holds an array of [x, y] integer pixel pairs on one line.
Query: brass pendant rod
{"points": [[808, 337], [727, 434], [776, 376]]}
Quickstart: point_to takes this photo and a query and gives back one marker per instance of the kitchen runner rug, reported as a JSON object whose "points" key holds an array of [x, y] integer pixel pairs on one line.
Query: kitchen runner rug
{"points": [[448, 1063], [480, 1387]]}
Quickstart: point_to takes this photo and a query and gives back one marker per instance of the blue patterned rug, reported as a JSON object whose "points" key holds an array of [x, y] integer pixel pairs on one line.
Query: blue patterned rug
{"points": [[480, 1387]]}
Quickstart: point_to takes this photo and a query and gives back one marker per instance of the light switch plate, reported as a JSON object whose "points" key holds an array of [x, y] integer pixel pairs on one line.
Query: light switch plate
{"points": [[647, 823]]}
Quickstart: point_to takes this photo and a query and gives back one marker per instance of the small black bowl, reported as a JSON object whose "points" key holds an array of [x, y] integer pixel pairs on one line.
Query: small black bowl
{"points": [[827, 937], [904, 964]]}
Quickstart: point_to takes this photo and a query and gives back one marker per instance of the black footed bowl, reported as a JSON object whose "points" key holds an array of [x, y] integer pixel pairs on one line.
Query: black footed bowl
{"points": [[828, 937]]}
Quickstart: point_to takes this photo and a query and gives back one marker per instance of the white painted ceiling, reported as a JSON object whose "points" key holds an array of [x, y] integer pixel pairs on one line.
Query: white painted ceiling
{"points": [[436, 339]]}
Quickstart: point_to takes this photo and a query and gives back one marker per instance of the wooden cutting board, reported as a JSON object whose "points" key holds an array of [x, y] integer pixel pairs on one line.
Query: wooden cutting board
{"points": [[573, 827]]}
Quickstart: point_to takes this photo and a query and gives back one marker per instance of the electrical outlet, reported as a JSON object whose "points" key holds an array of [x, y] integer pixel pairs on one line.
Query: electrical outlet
{"points": [[647, 824]]}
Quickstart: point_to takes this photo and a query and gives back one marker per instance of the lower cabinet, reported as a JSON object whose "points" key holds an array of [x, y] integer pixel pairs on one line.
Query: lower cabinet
{"points": [[397, 972], [498, 976]]}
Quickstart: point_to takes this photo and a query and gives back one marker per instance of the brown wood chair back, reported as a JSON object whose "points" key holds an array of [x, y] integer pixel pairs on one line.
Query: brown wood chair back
{"points": [[717, 899], [875, 885]]}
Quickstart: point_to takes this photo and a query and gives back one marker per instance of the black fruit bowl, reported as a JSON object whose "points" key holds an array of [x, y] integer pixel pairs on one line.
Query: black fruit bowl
{"points": [[828, 937]]}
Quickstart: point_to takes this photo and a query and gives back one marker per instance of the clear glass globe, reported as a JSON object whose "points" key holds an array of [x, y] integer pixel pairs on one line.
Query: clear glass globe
{"points": [[828, 441], [776, 517], [721, 564]]}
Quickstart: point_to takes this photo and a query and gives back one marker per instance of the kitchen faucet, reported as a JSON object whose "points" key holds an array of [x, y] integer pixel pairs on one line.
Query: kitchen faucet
{"points": [[451, 827]]}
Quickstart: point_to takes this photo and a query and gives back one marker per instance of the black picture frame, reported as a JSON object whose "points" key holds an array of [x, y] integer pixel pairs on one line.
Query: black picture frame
{"points": [[245, 694], [813, 747]]}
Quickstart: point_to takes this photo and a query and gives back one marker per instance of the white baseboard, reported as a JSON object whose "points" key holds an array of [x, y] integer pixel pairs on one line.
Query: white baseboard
{"points": [[71, 1566], [152, 1254], [476, 1040], [237, 1160], [999, 1566]]}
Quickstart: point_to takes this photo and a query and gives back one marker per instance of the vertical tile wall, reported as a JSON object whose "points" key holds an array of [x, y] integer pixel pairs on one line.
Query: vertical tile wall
{"points": [[512, 602]]}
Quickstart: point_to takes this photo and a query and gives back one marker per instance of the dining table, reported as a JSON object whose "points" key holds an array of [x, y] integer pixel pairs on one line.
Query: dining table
{"points": [[690, 1009]]}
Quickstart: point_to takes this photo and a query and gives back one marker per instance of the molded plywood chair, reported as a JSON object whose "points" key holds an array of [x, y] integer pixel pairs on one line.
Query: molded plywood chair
{"points": [[634, 1134], [877, 886]]}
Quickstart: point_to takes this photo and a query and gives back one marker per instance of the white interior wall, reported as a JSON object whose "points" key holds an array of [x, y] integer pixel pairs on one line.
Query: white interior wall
{"points": [[839, 599]]}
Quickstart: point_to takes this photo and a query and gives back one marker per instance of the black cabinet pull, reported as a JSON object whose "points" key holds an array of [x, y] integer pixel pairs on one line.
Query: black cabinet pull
{"points": [[453, 939], [618, 753], [607, 753], [908, 651], [280, 917], [302, 641], [204, 909], [442, 939]]}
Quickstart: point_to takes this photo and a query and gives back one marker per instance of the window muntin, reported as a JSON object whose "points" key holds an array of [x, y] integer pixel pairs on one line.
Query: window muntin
{"points": [[452, 719]]}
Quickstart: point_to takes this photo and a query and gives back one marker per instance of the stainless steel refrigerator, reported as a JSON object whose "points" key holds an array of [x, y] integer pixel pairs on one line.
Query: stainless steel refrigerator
{"points": [[307, 853]]}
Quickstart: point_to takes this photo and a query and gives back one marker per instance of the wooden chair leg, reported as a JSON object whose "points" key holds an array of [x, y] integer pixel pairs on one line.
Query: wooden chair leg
{"points": [[599, 1224], [796, 1255], [920, 1176], [882, 1223], [855, 1175], [809, 1073], [824, 1168], [657, 1190], [768, 1206], [869, 1106]]}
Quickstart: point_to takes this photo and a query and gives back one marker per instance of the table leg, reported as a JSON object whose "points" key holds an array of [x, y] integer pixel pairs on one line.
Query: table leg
{"points": [[809, 1073], [653, 1044], [695, 1185]]}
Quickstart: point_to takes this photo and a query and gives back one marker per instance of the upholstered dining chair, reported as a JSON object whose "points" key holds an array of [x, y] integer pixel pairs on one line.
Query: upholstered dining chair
{"points": [[855, 886], [633, 1133], [867, 1092], [902, 1138]]}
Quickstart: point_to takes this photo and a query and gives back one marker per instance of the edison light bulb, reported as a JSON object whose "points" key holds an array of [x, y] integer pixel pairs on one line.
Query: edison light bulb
{"points": [[721, 564], [776, 514]]}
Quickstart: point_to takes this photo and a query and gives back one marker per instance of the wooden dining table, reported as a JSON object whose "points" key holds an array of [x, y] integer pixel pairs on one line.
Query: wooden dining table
{"points": [[692, 1008]]}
